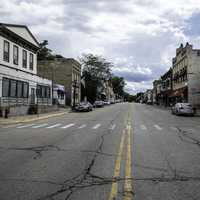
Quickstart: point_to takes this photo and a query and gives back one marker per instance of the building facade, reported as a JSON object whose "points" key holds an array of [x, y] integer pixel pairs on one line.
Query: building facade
{"points": [[166, 88], [186, 75], [64, 71], [18, 71]]}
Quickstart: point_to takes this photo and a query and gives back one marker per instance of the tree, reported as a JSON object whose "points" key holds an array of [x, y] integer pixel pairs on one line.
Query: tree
{"points": [[45, 53], [96, 70], [118, 84]]}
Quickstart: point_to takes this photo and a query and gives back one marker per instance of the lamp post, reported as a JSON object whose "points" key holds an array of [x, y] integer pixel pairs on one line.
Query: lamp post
{"points": [[75, 85]]}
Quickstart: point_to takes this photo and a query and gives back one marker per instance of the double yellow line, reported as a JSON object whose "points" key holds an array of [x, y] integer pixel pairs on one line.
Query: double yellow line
{"points": [[128, 189]]}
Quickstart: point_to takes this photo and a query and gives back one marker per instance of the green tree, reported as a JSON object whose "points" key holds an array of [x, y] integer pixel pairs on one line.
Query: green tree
{"points": [[45, 53], [96, 70], [118, 84]]}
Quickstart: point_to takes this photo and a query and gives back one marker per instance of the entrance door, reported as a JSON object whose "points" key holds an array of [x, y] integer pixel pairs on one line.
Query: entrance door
{"points": [[32, 95]]}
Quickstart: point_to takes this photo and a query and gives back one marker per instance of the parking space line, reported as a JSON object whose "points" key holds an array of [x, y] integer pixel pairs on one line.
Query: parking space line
{"points": [[67, 126], [143, 127], [82, 126], [39, 126], [113, 127], [53, 126], [96, 126], [25, 126], [157, 127]]}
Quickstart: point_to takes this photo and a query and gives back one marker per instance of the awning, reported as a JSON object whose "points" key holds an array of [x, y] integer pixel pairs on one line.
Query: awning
{"points": [[59, 87]]}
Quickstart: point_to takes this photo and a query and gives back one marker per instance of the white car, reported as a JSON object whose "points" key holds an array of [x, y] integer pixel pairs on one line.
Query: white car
{"points": [[183, 109]]}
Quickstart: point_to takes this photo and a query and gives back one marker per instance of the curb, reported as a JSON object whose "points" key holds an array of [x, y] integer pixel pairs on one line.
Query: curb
{"points": [[33, 119]]}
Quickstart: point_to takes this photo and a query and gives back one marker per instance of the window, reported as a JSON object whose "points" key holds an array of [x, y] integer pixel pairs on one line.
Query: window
{"points": [[31, 61], [13, 88], [5, 87], [24, 59], [15, 55], [6, 51], [43, 91], [19, 89], [25, 90]]}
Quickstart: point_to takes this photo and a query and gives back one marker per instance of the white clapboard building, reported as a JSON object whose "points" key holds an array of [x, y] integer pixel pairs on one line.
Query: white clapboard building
{"points": [[20, 87]]}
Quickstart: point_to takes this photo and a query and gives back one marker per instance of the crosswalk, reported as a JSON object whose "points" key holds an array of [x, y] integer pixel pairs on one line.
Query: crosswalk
{"points": [[94, 126], [61, 126]]}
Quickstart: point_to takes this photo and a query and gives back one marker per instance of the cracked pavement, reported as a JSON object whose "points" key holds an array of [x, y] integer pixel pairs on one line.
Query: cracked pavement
{"points": [[70, 164]]}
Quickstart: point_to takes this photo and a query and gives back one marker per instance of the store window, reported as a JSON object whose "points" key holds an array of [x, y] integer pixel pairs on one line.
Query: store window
{"points": [[5, 87]]}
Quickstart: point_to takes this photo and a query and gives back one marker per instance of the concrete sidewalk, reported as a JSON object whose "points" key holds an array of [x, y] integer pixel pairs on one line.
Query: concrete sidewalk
{"points": [[30, 118]]}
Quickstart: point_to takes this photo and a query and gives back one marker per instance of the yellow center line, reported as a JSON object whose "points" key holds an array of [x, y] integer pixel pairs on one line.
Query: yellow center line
{"points": [[128, 191], [114, 189]]}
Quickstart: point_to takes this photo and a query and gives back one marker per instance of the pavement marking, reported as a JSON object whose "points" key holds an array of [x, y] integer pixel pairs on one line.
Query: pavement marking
{"points": [[157, 127], [39, 126], [96, 126], [67, 126], [128, 182], [173, 128], [112, 127], [143, 127], [82, 126], [25, 126], [53, 126], [114, 189]]}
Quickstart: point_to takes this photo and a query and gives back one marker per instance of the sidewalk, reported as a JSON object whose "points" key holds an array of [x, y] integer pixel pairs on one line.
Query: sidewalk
{"points": [[30, 118]]}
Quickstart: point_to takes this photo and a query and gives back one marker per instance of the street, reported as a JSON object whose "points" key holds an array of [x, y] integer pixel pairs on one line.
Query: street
{"points": [[122, 151]]}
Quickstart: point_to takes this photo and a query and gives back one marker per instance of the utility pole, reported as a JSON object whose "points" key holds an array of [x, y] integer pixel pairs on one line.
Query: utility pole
{"points": [[74, 85]]}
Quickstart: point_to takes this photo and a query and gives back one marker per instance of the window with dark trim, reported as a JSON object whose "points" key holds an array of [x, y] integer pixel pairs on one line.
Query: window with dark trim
{"points": [[14, 88], [5, 87], [15, 54], [43, 91], [19, 89], [25, 90], [31, 61], [6, 51], [24, 59]]}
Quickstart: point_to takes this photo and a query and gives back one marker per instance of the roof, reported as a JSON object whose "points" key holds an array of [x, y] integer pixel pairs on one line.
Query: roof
{"points": [[22, 31]]}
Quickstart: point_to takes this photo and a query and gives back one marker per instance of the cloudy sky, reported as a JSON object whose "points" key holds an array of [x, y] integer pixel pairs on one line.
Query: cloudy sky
{"points": [[139, 36]]}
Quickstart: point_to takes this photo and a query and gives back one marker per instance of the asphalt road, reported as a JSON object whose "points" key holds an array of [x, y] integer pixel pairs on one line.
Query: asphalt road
{"points": [[123, 151]]}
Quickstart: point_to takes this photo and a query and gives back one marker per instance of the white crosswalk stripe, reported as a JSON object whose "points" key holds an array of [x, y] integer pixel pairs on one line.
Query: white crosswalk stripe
{"points": [[54, 126], [82, 126], [96, 126], [157, 127], [26, 126], [39, 126], [143, 127], [112, 127], [67, 126], [173, 128]]}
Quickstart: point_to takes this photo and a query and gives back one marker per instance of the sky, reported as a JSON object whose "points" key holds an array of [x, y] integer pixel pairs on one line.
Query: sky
{"points": [[139, 36]]}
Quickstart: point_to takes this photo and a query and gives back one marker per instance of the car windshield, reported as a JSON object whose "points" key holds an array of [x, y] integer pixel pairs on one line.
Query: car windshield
{"points": [[100, 100]]}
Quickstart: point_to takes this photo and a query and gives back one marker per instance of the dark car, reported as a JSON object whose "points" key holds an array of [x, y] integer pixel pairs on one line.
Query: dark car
{"points": [[84, 106], [98, 104]]}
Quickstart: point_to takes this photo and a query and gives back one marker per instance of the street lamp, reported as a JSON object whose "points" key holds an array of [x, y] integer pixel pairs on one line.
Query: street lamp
{"points": [[75, 85]]}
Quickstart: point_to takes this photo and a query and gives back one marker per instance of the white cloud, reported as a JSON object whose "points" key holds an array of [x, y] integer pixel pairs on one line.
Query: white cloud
{"points": [[139, 36]]}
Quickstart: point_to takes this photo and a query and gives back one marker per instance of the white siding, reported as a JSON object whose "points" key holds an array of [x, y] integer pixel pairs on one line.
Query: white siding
{"points": [[19, 66], [22, 31]]}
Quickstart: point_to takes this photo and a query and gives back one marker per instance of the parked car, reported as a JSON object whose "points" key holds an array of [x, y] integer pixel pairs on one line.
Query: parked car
{"points": [[98, 104], [106, 103], [84, 106], [183, 109]]}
